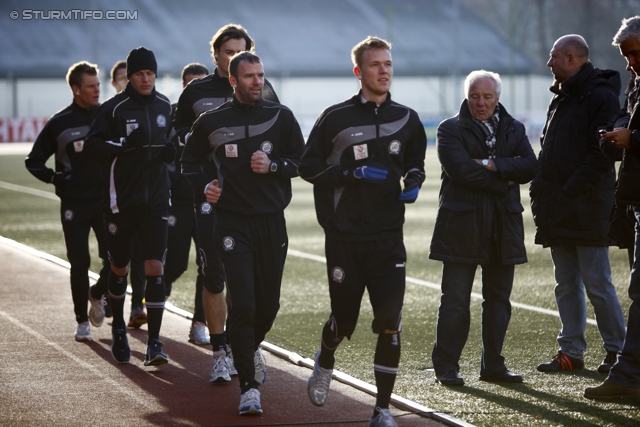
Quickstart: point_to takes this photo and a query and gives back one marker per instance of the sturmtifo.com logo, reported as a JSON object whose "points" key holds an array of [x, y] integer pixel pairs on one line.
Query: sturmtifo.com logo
{"points": [[74, 14]]}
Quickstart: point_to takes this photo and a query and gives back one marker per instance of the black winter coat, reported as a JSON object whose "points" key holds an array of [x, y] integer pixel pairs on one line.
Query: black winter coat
{"points": [[628, 190], [474, 202], [572, 194]]}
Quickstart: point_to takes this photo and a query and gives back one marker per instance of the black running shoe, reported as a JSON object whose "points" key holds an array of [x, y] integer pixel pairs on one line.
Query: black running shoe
{"points": [[155, 356], [120, 346], [561, 362]]}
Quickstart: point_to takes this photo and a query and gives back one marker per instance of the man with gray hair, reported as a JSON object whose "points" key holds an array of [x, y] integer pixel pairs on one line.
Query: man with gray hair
{"points": [[571, 201], [624, 377], [485, 155]]}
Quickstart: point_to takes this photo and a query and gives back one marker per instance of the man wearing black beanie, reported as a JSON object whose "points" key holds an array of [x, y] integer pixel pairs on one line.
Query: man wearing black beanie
{"points": [[129, 137]]}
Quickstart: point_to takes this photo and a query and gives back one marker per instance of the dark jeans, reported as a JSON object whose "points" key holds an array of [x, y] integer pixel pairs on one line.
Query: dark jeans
{"points": [[454, 316], [626, 371]]}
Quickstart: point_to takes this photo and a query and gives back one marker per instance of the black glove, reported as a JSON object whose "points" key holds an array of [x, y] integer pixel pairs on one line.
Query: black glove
{"points": [[168, 152], [60, 180], [137, 138]]}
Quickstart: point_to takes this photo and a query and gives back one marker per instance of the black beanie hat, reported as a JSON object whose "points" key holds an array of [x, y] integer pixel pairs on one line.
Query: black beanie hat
{"points": [[140, 59]]}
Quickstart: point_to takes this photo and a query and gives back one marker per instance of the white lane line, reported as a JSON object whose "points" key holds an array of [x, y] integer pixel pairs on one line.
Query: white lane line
{"points": [[28, 190], [399, 401], [133, 396], [436, 287], [317, 258]]}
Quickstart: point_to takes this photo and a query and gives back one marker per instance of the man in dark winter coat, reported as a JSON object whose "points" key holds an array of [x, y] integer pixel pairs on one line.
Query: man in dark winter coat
{"points": [[485, 154], [624, 377], [571, 200]]}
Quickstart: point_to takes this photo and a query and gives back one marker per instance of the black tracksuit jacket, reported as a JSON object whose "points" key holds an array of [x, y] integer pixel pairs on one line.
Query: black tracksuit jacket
{"points": [[224, 139], [133, 180], [64, 135], [390, 137], [205, 94]]}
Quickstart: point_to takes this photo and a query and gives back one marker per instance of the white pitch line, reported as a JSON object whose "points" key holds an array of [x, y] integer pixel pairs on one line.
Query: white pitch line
{"points": [[308, 256], [28, 190], [133, 396], [436, 287]]}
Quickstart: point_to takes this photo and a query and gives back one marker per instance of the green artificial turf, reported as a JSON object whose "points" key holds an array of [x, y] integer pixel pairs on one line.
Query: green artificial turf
{"points": [[543, 399]]}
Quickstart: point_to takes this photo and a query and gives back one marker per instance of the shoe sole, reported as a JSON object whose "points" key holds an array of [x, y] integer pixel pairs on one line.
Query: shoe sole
{"points": [[156, 361], [220, 380], [196, 342], [84, 339], [121, 361], [261, 377], [95, 324], [457, 383], [137, 321], [252, 411]]}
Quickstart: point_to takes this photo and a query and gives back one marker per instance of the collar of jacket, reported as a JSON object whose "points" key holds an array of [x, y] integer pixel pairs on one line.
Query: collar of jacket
{"points": [[465, 118], [215, 76], [246, 108], [574, 82], [91, 111], [139, 98], [357, 99]]}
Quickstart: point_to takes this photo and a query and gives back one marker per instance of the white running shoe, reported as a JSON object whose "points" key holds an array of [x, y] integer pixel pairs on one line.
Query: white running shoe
{"points": [[230, 365], [83, 333], [199, 334], [260, 366], [318, 385], [96, 311], [383, 419], [250, 402], [219, 372]]}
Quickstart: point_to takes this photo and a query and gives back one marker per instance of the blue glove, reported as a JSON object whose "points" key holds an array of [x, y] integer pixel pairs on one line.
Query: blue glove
{"points": [[410, 194], [371, 173]]}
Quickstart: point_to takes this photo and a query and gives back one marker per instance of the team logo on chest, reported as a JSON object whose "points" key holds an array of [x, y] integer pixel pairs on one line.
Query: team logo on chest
{"points": [[113, 229], [68, 215], [205, 208], [161, 121], [78, 146], [266, 147], [131, 126], [394, 147], [171, 221], [231, 150], [360, 151], [337, 274], [228, 243]]}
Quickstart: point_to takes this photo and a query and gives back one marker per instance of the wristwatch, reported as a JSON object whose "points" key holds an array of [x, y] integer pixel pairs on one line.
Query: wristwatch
{"points": [[485, 162], [273, 167]]}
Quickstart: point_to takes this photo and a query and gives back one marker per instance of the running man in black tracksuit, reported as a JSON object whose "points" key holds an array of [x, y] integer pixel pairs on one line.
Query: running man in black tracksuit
{"points": [[182, 225], [199, 96], [129, 136], [254, 146], [356, 155], [77, 182]]}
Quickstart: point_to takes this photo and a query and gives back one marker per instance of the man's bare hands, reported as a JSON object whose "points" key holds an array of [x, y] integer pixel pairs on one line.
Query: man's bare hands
{"points": [[260, 162], [621, 137], [213, 192]]}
